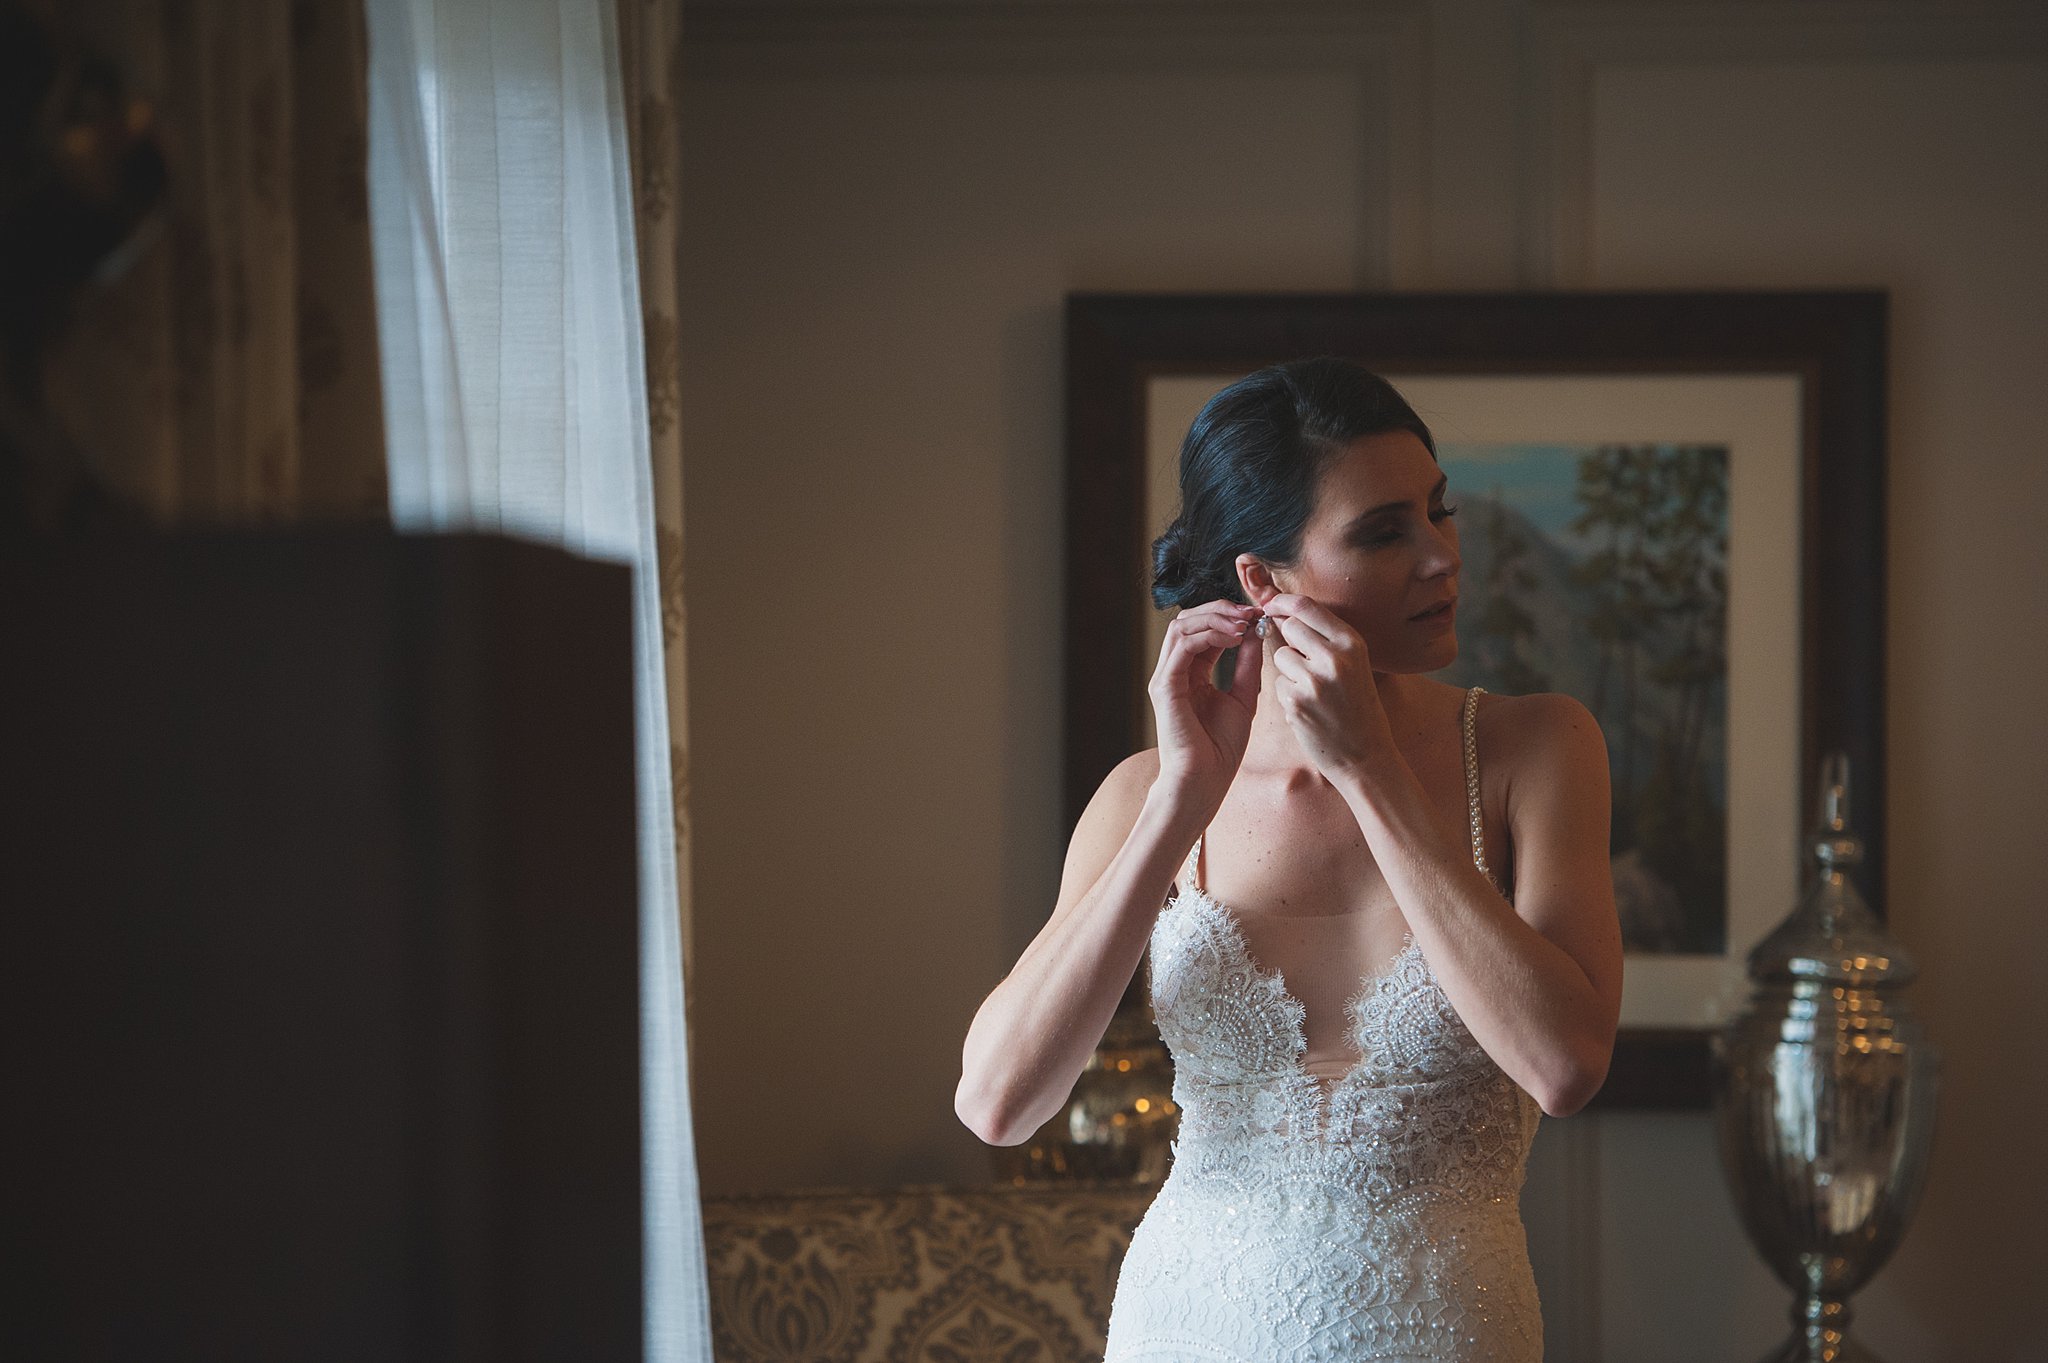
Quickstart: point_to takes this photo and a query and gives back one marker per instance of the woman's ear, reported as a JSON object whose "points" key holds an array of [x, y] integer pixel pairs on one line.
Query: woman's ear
{"points": [[1257, 580]]}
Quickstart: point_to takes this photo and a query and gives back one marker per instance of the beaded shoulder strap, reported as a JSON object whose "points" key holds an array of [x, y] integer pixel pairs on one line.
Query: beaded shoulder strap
{"points": [[1472, 781]]}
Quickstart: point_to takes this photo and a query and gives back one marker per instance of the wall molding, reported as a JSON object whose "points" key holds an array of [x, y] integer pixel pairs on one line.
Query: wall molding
{"points": [[884, 37], [1568, 44], [1382, 45]]}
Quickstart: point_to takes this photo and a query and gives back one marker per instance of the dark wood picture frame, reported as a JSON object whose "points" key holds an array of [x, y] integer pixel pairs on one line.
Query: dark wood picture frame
{"points": [[1833, 341]]}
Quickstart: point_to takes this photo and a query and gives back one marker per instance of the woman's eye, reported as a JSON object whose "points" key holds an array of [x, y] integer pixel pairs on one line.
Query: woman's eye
{"points": [[1442, 513]]}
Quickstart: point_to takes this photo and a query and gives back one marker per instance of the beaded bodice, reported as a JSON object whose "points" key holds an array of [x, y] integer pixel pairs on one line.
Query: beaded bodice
{"points": [[1372, 1217]]}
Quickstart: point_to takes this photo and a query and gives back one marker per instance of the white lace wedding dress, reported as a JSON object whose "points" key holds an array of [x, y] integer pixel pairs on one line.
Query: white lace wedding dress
{"points": [[1375, 1218]]}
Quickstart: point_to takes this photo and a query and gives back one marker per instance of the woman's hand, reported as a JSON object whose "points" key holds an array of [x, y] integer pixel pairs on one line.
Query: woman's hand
{"points": [[1203, 731], [1325, 686]]}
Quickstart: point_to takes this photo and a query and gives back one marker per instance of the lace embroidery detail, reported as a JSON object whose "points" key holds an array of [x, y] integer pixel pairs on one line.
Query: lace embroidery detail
{"points": [[1370, 1217], [1363, 1011]]}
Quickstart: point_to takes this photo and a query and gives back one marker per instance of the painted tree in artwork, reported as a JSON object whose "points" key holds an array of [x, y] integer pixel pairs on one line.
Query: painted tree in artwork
{"points": [[1505, 625], [1655, 588], [1680, 822], [1617, 489]]}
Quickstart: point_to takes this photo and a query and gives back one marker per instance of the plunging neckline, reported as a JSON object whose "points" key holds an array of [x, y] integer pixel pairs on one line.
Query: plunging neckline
{"points": [[1294, 1010]]}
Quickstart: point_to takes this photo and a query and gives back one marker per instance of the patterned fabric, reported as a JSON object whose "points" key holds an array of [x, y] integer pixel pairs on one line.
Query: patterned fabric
{"points": [[1376, 1217], [242, 338], [922, 1274]]}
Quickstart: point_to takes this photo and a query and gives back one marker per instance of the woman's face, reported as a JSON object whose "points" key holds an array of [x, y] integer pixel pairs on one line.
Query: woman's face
{"points": [[1379, 547]]}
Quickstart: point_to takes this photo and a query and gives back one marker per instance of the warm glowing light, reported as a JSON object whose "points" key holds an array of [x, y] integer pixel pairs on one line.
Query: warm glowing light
{"points": [[1122, 1065], [1143, 1105]]}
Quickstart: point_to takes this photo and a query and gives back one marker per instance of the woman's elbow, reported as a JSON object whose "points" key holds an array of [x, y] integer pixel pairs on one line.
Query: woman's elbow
{"points": [[1576, 1084], [1563, 1101], [987, 1117]]}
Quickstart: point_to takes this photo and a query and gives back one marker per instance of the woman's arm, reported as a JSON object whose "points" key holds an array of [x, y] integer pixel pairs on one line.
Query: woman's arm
{"points": [[1034, 1034], [1537, 982]]}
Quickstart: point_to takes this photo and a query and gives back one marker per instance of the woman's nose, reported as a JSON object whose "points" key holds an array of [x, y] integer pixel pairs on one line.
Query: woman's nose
{"points": [[1442, 555]]}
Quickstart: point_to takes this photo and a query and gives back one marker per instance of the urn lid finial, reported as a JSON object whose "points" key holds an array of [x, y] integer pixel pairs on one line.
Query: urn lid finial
{"points": [[1832, 937]]}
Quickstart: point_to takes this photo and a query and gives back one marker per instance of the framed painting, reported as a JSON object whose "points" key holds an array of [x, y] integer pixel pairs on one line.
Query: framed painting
{"points": [[1676, 515]]}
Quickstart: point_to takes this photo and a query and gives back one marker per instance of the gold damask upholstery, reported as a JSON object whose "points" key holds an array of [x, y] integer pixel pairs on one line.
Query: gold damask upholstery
{"points": [[918, 1274]]}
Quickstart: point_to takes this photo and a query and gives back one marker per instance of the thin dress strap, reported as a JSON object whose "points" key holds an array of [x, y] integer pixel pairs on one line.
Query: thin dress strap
{"points": [[1190, 871], [1472, 782]]}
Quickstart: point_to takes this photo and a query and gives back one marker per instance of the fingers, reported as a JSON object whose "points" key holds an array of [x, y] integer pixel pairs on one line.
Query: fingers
{"points": [[1219, 609], [1203, 625], [1308, 613], [1292, 666], [1292, 635], [1301, 655], [1195, 633], [1200, 632], [1246, 672], [1209, 633], [1314, 632]]}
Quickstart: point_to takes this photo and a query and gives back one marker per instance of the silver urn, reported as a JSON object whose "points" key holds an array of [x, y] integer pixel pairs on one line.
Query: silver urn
{"points": [[1824, 1092]]}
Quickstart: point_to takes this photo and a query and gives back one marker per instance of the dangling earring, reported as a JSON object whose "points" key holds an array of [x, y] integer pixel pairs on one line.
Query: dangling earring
{"points": [[1262, 627]]}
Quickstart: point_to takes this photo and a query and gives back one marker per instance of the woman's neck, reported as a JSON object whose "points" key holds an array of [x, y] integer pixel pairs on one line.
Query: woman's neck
{"points": [[1409, 699]]}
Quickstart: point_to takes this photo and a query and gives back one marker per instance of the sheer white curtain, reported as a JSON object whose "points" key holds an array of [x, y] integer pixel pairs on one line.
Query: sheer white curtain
{"points": [[515, 399]]}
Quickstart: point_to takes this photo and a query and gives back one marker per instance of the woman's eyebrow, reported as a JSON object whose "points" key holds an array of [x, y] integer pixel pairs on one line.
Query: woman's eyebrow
{"points": [[1442, 480]]}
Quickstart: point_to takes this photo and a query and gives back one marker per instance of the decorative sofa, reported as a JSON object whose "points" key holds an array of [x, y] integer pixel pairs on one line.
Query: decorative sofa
{"points": [[919, 1274]]}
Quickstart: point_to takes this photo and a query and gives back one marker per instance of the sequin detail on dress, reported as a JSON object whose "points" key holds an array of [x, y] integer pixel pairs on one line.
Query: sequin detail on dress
{"points": [[1375, 1217]]}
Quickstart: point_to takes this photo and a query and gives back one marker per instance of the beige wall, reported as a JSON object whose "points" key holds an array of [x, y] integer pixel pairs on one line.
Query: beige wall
{"points": [[883, 209]]}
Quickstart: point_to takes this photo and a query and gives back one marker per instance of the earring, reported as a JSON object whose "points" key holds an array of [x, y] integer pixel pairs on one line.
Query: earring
{"points": [[1262, 627]]}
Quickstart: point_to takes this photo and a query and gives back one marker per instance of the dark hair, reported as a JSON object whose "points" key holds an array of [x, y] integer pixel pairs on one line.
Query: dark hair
{"points": [[1250, 465]]}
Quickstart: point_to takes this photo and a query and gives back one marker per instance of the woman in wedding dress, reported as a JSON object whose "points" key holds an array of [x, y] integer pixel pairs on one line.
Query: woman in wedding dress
{"points": [[1380, 917]]}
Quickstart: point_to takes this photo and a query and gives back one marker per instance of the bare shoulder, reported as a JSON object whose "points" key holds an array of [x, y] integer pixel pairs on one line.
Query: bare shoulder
{"points": [[1514, 716], [1122, 792], [1546, 741], [1106, 824], [1144, 762]]}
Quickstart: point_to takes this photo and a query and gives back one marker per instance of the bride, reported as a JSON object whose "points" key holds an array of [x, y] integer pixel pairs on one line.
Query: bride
{"points": [[1380, 917]]}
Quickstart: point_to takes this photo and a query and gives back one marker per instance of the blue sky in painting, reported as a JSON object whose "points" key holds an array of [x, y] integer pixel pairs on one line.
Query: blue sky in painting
{"points": [[1540, 481]]}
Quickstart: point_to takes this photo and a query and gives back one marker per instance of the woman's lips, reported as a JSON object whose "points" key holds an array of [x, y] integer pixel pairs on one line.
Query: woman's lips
{"points": [[1441, 615]]}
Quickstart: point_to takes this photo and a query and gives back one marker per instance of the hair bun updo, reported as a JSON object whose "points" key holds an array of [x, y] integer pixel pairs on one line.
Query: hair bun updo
{"points": [[1170, 565]]}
